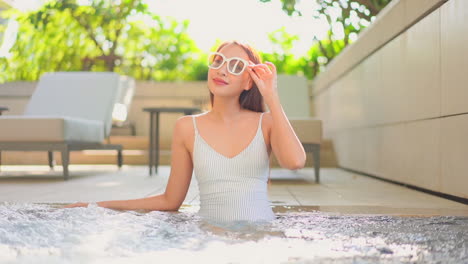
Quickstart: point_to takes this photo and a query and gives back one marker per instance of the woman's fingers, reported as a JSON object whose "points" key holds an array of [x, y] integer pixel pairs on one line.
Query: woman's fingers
{"points": [[264, 68], [260, 69], [253, 74], [272, 65]]}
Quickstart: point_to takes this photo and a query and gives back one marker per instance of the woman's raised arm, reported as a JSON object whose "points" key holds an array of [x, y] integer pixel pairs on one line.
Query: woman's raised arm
{"points": [[179, 179]]}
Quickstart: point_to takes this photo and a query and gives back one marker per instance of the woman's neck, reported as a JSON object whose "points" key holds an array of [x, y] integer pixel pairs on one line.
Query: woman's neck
{"points": [[226, 110]]}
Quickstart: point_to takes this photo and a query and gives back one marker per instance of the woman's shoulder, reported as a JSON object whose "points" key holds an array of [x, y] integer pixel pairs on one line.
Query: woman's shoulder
{"points": [[267, 119], [185, 124], [184, 129]]}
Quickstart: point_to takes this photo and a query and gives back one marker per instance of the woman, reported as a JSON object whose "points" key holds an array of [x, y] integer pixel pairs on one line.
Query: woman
{"points": [[228, 147]]}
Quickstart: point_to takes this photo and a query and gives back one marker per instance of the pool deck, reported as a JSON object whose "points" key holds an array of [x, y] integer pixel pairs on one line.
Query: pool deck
{"points": [[340, 191]]}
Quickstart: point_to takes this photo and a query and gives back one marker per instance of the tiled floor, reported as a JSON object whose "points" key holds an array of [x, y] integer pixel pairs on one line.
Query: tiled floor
{"points": [[339, 191]]}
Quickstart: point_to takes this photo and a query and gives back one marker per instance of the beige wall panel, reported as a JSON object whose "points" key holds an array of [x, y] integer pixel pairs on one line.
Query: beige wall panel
{"points": [[396, 16], [319, 103], [327, 128], [422, 66], [357, 149], [420, 75], [355, 98], [454, 145], [19, 88], [372, 86], [328, 110], [339, 67], [341, 148], [372, 150], [346, 101], [323, 111], [171, 89], [416, 8], [392, 21], [387, 25], [371, 40], [15, 96], [423, 154], [349, 146], [343, 103], [335, 108], [393, 96], [454, 27], [392, 153], [15, 105], [331, 115], [320, 83]]}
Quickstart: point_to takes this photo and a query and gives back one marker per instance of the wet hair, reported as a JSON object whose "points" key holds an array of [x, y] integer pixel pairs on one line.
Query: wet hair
{"points": [[249, 99]]}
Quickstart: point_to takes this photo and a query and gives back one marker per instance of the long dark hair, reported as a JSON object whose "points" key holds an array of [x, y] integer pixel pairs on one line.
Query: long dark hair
{"points": [[249, 99]]}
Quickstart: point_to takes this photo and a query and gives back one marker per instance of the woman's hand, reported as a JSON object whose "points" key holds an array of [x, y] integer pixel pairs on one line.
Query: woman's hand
{"points": [[264, 76], [76, 205]]}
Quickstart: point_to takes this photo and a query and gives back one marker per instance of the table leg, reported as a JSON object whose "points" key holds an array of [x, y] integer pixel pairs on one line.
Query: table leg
{"points": [[156, 149], [151, 147]]}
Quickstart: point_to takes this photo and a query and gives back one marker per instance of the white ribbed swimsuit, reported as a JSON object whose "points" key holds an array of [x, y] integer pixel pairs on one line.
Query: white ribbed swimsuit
{"points": [[233, 189]]}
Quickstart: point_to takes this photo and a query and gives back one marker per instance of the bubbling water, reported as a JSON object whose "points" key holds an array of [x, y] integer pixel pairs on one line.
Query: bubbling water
{"points": [[45, 233]]}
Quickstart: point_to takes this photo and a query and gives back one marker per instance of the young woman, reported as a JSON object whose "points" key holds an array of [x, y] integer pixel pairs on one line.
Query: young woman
{"points": [[228, 147]]}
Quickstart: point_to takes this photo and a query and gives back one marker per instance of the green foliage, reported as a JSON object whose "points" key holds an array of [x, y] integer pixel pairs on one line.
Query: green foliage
{"points": [[123, 36], [289, 6], [283, 59], [353, 16], [102, 35], [310, 64]]}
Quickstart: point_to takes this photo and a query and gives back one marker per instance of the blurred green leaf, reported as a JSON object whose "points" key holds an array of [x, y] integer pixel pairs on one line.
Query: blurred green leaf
{"points": [[120, 36], [324, 50]]}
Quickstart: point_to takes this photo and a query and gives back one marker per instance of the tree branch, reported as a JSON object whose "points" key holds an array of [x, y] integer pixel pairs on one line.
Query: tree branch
{"points": [[323, 50], [373, 9], [89, 31]]}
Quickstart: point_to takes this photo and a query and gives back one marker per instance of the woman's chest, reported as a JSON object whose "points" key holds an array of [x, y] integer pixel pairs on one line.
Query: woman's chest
{"points": [[229, 143]]}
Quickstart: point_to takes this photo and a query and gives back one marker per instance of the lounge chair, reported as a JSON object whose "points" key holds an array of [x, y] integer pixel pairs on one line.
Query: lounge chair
{"points": [[294, 96], [122, 106], [68, 111]]}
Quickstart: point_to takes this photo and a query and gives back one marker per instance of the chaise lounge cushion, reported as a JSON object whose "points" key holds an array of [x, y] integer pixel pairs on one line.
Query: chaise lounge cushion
{"points": [[308, 129], [294, 94], [84, 95], [50, 129]]}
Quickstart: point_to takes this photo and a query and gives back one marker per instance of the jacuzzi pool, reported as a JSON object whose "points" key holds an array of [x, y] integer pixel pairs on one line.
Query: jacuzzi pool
{"points": [[42, 233]]}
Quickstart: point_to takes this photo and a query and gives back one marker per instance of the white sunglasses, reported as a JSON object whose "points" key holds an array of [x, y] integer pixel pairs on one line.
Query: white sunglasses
{"points": [[235, 65]]}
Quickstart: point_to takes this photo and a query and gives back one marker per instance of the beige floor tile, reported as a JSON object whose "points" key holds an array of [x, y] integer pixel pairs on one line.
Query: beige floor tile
{"points": [[283, 200], [338, 189], [278, 190]]}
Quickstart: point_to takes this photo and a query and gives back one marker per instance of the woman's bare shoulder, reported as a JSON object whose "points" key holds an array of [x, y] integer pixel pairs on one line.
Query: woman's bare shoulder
{"points": [[183, 129], [185, 124]]}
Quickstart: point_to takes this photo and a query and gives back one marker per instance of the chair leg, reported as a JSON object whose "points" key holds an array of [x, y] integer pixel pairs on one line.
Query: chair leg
{"points": [[133, 129], [51, 159], [119, 158], [65, 160], [316, 154], [0, 161]]}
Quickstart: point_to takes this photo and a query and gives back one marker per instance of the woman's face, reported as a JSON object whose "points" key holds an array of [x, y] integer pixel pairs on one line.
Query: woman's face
{"points": [[221, 82]]}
